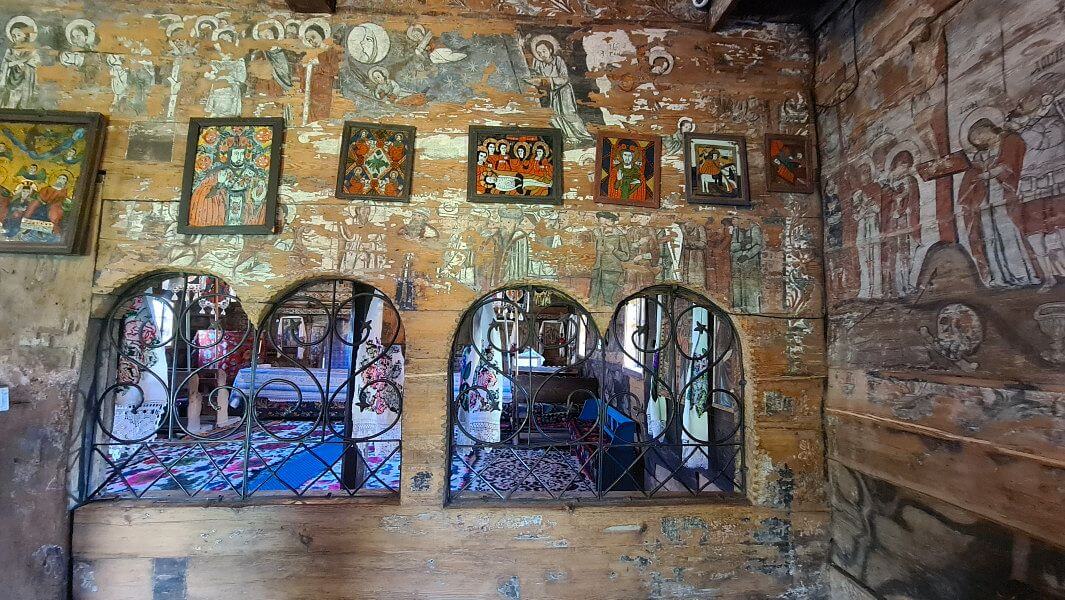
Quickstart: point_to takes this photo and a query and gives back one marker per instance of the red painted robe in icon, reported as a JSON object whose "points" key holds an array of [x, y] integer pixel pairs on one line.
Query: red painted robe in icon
{"points": [[482, 172], [996, 197], [53, 198], [396, 154], [391, 189], [789, 170]]}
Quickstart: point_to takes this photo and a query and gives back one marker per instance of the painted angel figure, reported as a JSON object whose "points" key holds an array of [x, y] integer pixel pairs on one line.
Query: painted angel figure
{"points": [[436, 54], [552, 78]]}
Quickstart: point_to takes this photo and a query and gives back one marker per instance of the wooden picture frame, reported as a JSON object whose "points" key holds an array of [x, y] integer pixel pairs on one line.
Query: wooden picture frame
{"points": [[797, 164], [716, 169], [491, 180], [642, 191], [207, 200], [376, 179], [43, 211]]}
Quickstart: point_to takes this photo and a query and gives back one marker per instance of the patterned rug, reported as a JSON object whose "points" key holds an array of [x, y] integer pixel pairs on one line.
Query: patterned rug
{"points": [[307, 466], [528, 471]]}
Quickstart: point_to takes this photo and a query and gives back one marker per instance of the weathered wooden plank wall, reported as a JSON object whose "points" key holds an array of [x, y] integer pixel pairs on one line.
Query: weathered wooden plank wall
{"points": [[643, 66], [945, 285]]}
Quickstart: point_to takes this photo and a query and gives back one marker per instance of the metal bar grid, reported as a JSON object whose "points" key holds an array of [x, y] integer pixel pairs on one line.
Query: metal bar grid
{"points": [[682, 352], [154, 352]]}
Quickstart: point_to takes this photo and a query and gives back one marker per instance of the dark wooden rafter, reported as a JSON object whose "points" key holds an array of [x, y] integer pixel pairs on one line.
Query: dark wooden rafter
{"points": [[312, 6], [719, 10], [722, 12]]}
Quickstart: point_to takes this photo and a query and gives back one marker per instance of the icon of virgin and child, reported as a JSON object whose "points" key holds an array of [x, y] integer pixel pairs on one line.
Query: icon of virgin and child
{"points": [[514, 166]]}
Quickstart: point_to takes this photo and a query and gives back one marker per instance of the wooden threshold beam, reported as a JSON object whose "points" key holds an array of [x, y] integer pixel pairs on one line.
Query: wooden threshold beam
{"points": [[312, 6]]}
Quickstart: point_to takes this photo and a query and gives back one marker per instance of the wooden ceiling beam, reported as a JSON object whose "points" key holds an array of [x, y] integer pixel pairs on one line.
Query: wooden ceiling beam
{"points": [[312, 6], [719, 10]]}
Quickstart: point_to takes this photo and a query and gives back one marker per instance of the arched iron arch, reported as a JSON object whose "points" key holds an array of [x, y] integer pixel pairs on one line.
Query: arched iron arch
{"points": [[354, 398], [498, 396], [581, 427], [687, 351], [250, 452], [149, 364]]}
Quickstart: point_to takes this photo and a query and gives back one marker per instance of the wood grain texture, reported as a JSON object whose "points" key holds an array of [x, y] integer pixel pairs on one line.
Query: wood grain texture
{"points": [[944, 391], [268, 551], [639, 66]]}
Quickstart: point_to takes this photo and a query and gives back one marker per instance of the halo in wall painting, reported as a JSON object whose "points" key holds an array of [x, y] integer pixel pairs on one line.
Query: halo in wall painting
{"points": [[515, 164], [232, 167], [376, 162], [788, 166], [715, 169], [48, 166], [628, 170]]}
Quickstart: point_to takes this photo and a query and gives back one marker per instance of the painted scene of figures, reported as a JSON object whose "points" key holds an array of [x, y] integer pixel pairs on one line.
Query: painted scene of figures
{"points": [[716, 169], [628, 170], [231, 174], [47, 171], [515, 165], [788, 167], [376, 162]]}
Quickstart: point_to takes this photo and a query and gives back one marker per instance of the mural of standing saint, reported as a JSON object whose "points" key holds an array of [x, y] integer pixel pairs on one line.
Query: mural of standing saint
{"points": [[18, 72], [992, 208], [747, 268], [612, 251]]}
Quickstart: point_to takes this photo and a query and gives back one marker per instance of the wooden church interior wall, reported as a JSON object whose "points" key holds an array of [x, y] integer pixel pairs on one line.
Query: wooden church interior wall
{"points": [[942, 154], [648, 67]]}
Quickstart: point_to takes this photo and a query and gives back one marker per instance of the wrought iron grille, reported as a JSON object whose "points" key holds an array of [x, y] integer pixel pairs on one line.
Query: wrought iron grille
{"points": [[192, 400], [544, 407]]}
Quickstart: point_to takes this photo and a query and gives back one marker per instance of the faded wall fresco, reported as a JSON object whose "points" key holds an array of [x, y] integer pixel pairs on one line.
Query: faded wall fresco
{"points": [[442, 67], [943, 158]]}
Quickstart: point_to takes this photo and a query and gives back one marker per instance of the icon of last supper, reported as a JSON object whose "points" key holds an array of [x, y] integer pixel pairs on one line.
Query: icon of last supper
{"points": [[515, 165]]}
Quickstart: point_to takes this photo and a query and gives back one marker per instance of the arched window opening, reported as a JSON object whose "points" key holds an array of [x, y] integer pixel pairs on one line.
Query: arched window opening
{"points": [[165, 419], [674, 368], [521, 375], [543, 407], [329, 388], [191, 400]]}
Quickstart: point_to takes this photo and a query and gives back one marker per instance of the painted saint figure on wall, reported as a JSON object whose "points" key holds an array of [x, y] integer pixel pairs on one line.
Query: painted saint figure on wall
{"points": [[867, 214], [612, 252], [319, 69], [18, 71], [281, 63], [747, 245], [900, 222], [991, 208], [693, 254], [552, 78]]}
